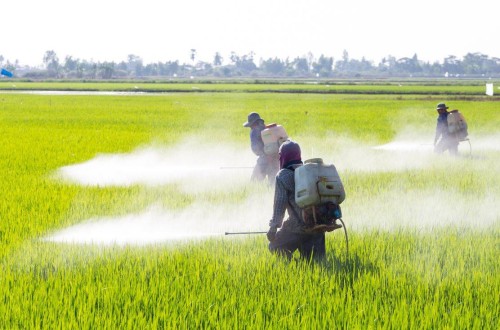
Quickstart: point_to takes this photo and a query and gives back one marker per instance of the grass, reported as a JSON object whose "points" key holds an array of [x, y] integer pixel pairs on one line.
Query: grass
{"points": [[402, 277], [391, 279]]}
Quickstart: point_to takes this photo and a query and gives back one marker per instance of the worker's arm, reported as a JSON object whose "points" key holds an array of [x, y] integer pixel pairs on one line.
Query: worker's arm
{"points": [[279, 206], [439, 131], [256, 142]]}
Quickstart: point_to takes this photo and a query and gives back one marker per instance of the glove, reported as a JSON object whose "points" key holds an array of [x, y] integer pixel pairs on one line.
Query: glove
{"points": [[271, 234]]}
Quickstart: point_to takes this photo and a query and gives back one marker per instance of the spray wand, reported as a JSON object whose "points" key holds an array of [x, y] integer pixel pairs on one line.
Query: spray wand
{"points": [[245, 232], [265, 232]]}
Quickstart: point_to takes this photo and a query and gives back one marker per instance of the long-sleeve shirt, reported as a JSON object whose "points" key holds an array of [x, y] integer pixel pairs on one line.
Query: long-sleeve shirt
{"points": [[256, 140], [442, 126], [284, 200]]}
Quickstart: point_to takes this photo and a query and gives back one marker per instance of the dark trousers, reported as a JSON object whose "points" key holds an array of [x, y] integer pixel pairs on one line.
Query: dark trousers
{"points": [[309, 245]]}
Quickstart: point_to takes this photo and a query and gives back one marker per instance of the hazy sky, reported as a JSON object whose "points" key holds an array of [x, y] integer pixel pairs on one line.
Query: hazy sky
{"points": [[155, 30]]}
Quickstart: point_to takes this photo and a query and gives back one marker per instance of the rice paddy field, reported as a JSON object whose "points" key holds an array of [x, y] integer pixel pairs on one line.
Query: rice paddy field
{"points": [[114, 207]]}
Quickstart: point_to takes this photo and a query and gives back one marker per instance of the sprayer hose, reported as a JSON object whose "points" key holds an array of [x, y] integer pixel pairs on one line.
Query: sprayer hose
{"points": [[470, 147], [346, 239]]}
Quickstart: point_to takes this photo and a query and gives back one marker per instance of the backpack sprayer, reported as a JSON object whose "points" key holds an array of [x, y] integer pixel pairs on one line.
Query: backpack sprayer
{"points": [[273, 135], [319, 193], [457, 125]]}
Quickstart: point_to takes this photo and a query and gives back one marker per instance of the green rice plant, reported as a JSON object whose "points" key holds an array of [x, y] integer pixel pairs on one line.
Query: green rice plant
{"points": [[398, 273]]}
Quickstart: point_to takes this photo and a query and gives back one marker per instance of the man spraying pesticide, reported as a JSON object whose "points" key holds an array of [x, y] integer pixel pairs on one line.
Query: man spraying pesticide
{"points": [[451, 129], [311, 194], [265, 141]]}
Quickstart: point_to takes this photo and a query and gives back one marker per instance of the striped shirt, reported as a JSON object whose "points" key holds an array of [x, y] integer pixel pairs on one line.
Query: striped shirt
{"points": [[284, 199]]}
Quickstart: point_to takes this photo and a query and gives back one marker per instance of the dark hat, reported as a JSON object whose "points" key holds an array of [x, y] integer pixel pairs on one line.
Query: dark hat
{"points": [[252, 119], [289, 151], [441, 106]]}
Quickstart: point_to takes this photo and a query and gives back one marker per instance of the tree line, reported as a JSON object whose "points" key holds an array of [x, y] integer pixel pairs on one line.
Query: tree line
{"points": [[471, 65]]}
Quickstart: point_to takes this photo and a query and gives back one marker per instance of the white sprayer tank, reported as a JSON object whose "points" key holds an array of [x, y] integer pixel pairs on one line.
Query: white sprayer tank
{"points": [[273, 136], [316, 183]]}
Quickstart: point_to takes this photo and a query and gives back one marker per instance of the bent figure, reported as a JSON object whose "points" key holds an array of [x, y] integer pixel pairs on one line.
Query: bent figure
{"points": [[266, 166], [292, 233]]}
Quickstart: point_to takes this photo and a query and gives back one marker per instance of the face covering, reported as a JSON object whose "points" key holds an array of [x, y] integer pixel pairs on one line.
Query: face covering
{"points": [[289, 154]]}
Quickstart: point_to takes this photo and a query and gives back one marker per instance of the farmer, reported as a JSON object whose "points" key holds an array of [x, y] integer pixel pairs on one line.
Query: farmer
{"points": [[267, 165], [448, 141], [292, 235]]}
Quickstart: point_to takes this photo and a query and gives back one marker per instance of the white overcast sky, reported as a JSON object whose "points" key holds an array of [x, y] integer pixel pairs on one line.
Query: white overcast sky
{"points": [[155, 30]]}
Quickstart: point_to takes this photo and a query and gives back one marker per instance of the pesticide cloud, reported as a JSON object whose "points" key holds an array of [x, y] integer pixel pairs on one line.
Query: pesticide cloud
{"points": [[198, 168], [423, 210], [157, 225], [409, 150], [194, 166], [486, 143], [417, 144]]}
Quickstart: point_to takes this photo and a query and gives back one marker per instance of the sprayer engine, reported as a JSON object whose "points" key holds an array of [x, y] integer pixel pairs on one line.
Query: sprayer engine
{"points": [[322, 217]]}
